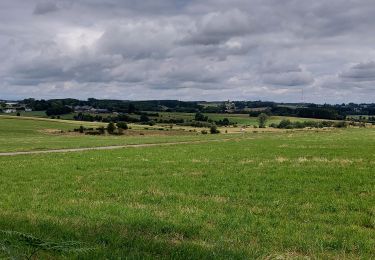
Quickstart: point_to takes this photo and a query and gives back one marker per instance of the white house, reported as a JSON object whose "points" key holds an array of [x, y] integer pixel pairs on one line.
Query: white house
{"points": [[10, 110]]}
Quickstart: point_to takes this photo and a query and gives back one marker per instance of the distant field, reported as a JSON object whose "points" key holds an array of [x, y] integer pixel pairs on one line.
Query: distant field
{"points": [[29, 133], [242, 119], [30, 114], [281, 195], [26, 134]]}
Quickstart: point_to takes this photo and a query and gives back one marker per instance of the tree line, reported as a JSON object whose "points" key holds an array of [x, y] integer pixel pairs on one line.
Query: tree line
{"points": [[253, 108]]}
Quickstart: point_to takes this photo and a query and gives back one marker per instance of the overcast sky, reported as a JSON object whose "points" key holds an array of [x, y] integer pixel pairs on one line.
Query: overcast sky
{"points": [[189, 50]]}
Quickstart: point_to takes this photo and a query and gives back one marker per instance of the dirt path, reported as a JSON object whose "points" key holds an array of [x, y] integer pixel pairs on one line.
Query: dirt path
{"points": [[114, 147]]}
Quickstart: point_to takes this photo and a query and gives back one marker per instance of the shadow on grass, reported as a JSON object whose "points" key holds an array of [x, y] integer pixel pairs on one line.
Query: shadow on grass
{"points": [[145, 239]]}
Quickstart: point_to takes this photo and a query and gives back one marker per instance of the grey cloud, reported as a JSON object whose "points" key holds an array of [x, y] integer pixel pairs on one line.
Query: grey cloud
{"points": [[289, 79], [287, 75], [277, 67], [192, 74], [50, 67], [138, 40], [188, 49], [45, 7], [217, 27], [362, 72]]}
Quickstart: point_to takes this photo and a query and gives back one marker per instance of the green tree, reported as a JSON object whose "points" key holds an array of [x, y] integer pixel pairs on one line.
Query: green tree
{"points": [[214, 130], [144, 118], [122, 125], [262, 120], [131, 108], [200, 117], [111, 128], [285, 123]]}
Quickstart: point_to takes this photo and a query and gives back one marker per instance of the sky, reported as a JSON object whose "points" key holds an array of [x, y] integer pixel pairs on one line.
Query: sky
{"points": [[278, 50]]}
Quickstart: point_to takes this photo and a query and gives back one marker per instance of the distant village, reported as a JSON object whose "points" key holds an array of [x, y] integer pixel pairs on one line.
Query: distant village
{"points": [[9, 107], [89, 109]]}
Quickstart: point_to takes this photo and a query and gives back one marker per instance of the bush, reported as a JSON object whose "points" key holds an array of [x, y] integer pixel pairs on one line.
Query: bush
{"points": [[224, 122], [200, 117], [262, 119], [122, 125], [198, 124], [204, 132], [111, 128], [58, 110], [93, 133], [341, 124], [101, 130], [287, 124], [284, 123], [214, 130], [144, 118]]}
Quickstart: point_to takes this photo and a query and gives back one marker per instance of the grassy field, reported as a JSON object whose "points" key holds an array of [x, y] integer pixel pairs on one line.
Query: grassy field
{"points": [[280, 195], [30, 133], [29, 114], [241, 119], [27, 134]]}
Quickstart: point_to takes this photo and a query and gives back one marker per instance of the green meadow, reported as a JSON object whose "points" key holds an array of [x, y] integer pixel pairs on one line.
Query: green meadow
{"points": [[27, 134], [271, 195], [243, 119]]}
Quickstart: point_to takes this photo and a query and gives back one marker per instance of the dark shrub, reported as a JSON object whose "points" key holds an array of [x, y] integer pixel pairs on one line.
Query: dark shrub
{"points": [[284, 123], [122, 125], [101, 130], [214, 130], [262, 120], [93, 133], [200, 117], [341, 124], [111, 128], [144, 118]]}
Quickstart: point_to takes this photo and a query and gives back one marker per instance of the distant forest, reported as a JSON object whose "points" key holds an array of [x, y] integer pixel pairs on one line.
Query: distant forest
{"points": [[253, 108]]}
